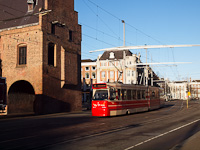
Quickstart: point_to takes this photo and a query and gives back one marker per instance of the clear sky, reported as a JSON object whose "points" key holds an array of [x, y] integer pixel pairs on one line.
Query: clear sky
{"points": [[151, 22]]}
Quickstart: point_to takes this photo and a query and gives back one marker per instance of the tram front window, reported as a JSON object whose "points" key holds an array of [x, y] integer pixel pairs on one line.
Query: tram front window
{"points": [[101, 95]]}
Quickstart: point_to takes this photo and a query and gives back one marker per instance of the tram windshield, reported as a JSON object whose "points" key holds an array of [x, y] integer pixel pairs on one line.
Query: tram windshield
{"points": [[101, 95]]}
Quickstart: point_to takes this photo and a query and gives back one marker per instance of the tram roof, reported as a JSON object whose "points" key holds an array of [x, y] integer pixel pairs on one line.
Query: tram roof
{"points": [[127, 86]]}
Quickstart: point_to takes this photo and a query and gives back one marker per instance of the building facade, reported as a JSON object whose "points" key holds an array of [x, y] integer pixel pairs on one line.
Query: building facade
{"points": [[40, 49], [88, 77], [194, 88], [180, 89], [88, 71], [122, 66]]}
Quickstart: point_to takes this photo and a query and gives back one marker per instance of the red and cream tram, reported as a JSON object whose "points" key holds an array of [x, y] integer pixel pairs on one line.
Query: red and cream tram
{"points": [[111, 99]]}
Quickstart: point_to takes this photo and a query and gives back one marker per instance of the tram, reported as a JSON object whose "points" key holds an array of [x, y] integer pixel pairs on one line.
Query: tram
{"points": [[112, 99]]}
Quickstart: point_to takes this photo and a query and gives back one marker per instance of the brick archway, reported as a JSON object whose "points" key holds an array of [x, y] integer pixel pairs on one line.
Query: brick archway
{"points": [[21, 97]]}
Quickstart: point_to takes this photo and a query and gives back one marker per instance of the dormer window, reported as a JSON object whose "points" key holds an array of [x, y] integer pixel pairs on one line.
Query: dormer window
{"points": [[112, 55], [31, 5]]}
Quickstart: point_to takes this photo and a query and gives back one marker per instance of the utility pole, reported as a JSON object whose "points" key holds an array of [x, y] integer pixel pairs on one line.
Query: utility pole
{"points": [[124, 55], [124, 32], [146, 71]]}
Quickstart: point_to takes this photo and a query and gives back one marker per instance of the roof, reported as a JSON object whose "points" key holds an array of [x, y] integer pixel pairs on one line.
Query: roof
{"points": [[196, 81], [15, 13], [87, 60], [180, 82], [117, 54]]}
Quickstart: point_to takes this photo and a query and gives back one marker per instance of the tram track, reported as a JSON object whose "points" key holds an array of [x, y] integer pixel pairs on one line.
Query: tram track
{"points": [[165, 114], [129, 126], [122, 129]]}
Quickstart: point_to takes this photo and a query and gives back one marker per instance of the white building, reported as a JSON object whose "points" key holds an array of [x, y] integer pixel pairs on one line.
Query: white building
{"points": [[121, 66], [178, 90]]}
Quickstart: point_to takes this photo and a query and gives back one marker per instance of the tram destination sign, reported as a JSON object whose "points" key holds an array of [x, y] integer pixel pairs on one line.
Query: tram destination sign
{"points": [[99, 86]]}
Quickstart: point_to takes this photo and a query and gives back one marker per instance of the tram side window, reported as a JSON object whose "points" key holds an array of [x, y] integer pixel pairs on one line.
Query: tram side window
{"points": [[128, 94], [153, 94], [143, 94], [112, 94], [156, 94], [138, 95], [123, 94], [119, 94], [134, 94]]}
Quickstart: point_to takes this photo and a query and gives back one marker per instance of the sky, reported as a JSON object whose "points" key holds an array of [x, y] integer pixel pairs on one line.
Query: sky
{"points": [[150, 22]]}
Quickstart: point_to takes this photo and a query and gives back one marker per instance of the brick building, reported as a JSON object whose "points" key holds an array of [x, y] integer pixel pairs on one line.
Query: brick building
{"points": [[40, 50], [194, 88], [88, 71]]}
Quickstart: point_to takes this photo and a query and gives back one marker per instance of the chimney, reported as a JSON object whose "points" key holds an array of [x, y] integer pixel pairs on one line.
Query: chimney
{"points": [[46, 4]]}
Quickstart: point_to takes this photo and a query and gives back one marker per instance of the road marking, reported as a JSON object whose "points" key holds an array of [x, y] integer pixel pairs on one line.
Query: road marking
{"points": [[131, 147]]}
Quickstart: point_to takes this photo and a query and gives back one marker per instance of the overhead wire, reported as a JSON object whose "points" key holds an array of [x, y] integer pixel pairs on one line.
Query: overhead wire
{"points": [[104, 33], [137, 30], [99, 17]]}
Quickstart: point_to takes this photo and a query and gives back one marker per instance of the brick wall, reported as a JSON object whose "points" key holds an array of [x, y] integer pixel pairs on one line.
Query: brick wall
{"points": [[51, 94], [70, 93], [32, 71]]}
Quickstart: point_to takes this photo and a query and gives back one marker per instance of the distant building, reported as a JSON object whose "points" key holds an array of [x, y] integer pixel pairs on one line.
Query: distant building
{"points": [[195, 89], [121, 66], [88, 71], [88, 77], [40, 49], [178, 89]]}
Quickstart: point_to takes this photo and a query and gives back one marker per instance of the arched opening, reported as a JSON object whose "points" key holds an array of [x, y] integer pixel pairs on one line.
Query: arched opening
{"points": [[21, 97]]}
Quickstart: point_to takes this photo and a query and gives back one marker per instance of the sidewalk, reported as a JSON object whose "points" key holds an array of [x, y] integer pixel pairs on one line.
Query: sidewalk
{"points": [[193, 143]]}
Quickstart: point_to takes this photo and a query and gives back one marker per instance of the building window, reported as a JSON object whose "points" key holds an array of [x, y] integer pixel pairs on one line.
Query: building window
{"points": [[93, 68], [112, 55], [93, 75], [87, 68], [110, 63], [22, 55], [87, 76], [53, 28], [51, 54], [128, 73], [103, 74], [103, 64], [133, 73], [111, 74], [70, 35]]}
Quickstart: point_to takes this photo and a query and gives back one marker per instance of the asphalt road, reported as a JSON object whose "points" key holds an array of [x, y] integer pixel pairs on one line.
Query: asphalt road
{"points": [[165, 128]]}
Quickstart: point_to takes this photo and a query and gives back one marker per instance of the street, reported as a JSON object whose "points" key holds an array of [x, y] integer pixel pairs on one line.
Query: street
{"points": [[165, 128]]}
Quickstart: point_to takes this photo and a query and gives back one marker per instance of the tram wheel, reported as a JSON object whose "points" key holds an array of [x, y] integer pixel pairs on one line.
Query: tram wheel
{"points": [[127, 112]]}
